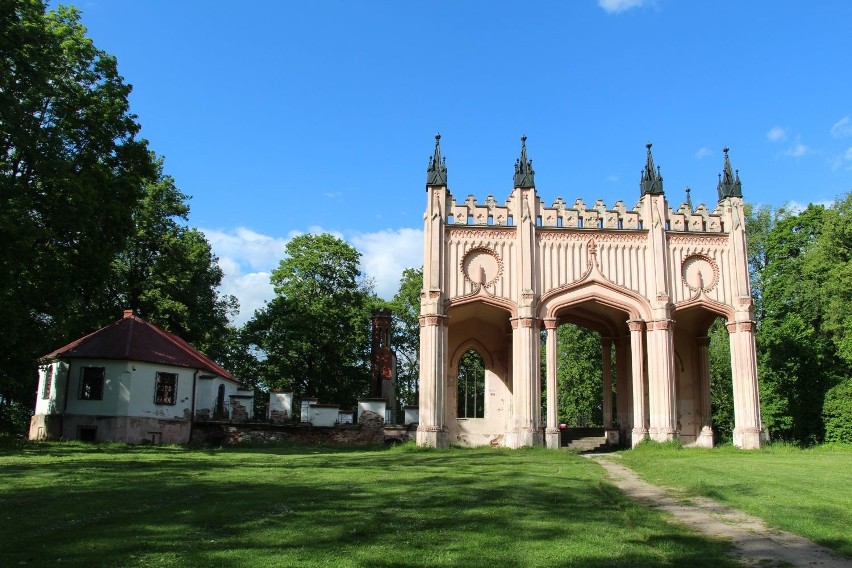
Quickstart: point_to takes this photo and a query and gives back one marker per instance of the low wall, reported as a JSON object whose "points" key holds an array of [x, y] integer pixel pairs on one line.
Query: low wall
{"points": [[225, 433]]}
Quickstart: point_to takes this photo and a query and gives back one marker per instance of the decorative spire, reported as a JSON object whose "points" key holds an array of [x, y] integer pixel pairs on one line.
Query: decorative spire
{"points": [[651, 182], [436, 173], [729, 183], [689, 198], [524, 174]]}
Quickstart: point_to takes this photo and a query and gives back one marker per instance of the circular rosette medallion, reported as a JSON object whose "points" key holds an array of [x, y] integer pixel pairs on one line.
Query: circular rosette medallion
{"points": [[481, 266], [700, 273]]}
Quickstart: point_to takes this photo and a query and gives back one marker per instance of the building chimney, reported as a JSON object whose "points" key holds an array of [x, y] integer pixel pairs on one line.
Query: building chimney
{"points": [[129, 313]]}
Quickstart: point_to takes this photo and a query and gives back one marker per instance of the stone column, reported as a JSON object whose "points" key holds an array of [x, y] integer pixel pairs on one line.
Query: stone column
{"points": [[623, 401], [551, 433], [526, 380], [433, 377], [637, 350], [748, 429], [606, 348], [661, 382], [705, 436]]}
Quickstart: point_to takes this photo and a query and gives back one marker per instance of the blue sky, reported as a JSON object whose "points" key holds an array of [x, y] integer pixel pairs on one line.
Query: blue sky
{"points": [[280, 118]]}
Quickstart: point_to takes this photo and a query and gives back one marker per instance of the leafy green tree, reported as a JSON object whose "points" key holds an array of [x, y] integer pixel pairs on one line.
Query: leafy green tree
{"points": [[169, 273], [405, 306], [71, 172], [721, 382], [314, 336], [797, 359], [579, 376], [830, 264]]}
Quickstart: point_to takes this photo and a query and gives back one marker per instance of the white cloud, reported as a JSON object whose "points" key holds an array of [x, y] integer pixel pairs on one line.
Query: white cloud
{"points": [[842, 128], [247, 259], [618, 6], [776, 134], [844, 160], [253, 250], [387, 253], [703, 153], [611, 178], [798, 150]]}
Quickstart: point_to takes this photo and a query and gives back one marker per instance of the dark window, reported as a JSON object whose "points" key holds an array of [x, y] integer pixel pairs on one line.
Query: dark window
{"points": [[92, 383], [48, 382], [166, 392], [471, 386], [87, 433]]}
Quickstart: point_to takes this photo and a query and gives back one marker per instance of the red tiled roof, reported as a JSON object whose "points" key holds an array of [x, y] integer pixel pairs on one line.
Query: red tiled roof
{"points": [[134, 339]]}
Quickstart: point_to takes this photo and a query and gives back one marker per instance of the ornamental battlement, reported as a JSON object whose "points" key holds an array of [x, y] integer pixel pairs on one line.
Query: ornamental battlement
{"points": [[578, 215], [561, 215]]}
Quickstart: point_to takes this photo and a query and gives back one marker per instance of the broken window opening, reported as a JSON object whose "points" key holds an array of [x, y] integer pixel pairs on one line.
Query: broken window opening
{"points": [[92, 383], [471, 386], [166, 389]]}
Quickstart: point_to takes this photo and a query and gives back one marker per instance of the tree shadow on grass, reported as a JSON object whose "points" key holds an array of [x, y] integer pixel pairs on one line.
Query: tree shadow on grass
{"points": [[343, 508]]}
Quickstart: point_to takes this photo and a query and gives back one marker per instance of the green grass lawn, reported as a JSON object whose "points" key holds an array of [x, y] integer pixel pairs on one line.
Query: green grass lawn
{"points": [[111, 505], [805, 491]]}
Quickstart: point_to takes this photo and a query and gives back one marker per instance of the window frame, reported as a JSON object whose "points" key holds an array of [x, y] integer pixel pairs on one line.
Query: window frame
{"points": [[163, 398], [470, 389], [95, 394], [47, 388]]}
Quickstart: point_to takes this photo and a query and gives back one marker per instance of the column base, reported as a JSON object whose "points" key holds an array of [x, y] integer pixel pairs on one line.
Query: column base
{"points": [[432, 438], [552, 438], [612, 436], [524, 438], [663, 435], [705, 438], [748, 438], [637, 436]]}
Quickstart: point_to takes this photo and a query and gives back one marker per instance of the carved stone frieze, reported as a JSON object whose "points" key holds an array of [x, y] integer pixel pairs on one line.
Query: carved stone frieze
{"points": [[602, 237], [692, 239], [490, 234]]}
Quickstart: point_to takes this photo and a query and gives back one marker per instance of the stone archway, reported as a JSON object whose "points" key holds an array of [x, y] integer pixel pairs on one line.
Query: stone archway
{"points": [[500, 273]]}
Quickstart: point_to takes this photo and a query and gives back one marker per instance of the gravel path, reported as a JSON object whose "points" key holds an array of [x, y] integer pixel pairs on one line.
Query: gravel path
{"points": [[756, 544]]}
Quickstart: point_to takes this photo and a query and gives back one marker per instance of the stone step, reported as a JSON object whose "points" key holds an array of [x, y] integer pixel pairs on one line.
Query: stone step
{"points": [[586, 444]]}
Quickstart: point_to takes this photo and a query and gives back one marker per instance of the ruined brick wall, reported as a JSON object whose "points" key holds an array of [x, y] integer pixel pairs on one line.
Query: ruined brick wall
{"points": [[213, 433]]}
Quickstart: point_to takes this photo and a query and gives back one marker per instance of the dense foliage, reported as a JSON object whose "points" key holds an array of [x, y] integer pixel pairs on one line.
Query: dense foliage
{"points": [[800, 262], [314, 337], [89, 223]]}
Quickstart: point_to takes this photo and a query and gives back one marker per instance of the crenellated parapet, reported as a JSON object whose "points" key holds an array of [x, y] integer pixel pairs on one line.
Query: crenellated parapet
{"points": [[561, 215]]}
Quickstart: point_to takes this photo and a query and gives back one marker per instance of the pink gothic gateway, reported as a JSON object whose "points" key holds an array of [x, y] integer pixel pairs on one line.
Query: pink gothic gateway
{"points": [[650, 280]]}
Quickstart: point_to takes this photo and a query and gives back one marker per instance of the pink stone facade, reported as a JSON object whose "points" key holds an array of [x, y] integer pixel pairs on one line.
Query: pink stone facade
{"points": [[650, 280]]}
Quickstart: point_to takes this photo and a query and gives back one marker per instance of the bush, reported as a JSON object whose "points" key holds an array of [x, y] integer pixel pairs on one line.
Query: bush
{"points": [[837, 413]]}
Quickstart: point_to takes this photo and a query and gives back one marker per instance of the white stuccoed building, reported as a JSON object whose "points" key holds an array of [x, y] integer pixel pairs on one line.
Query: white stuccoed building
{"points": [[132, 382]]}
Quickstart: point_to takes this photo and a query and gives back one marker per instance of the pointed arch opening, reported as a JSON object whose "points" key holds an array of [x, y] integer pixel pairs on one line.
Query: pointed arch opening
{"points": [[470, 393]]}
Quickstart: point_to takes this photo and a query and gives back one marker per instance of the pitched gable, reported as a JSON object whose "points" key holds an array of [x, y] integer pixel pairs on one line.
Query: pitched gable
{"points": [[134, 339]]}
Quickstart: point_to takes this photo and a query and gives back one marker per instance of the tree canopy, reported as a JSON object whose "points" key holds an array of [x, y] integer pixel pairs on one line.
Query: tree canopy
{"points": [[314, 336], [89, 222], [71, 171]]}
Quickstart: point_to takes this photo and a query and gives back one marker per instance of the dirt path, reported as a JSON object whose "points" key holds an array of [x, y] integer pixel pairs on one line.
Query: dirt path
{"points": [[756, 543]]}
